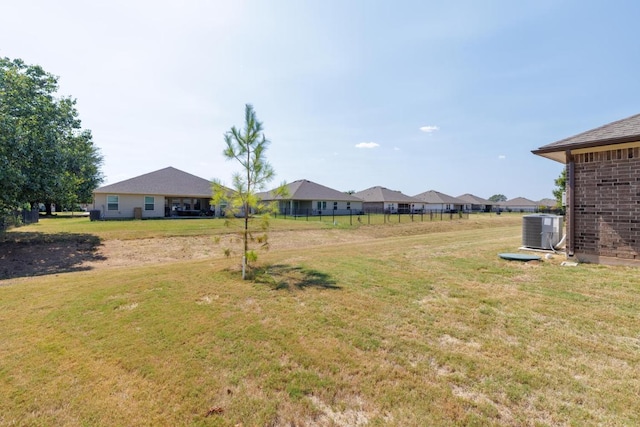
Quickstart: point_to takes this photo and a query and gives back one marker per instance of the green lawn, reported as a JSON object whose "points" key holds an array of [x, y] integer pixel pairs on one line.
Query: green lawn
{"points": [[421, 325]]}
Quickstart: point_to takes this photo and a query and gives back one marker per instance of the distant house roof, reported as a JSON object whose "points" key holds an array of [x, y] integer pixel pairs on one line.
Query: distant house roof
{"points": [[168, 181], [520, 202], [381, 194], [436, 197], [307, 190], [474, 200], [618, 132], [550, 203]]}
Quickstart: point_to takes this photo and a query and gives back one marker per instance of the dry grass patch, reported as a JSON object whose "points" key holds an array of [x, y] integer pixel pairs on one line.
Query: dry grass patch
{"points": [[425, 326]]}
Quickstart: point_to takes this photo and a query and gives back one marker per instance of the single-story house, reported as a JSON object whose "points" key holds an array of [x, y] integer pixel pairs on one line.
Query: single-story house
{"points": [[518, 204], [379, 199], [475, 204], [548, 203], [164, 193], [436, 201], [308, 198], [602, 192]]}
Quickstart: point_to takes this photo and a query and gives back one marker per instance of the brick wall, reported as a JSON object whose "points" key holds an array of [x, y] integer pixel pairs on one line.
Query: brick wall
{"points": [[607, 203]]}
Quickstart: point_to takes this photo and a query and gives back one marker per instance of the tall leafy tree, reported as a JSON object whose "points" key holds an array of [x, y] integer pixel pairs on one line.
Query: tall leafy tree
{"points": [[561, 185], [247, 146], [45, 155], [498, 198]]}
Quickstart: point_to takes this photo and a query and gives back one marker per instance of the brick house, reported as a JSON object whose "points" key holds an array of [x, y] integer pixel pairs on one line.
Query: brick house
{"points": [[603, 192]]}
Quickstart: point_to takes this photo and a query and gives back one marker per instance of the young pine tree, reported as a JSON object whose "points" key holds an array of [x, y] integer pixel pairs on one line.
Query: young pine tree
{"points": [[247, 146]]}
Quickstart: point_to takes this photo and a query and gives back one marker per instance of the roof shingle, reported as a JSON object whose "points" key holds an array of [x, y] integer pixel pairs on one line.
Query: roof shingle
{"points": [[435, 197], [618, 132], [307, 190], [168, 182], [381, 194]]}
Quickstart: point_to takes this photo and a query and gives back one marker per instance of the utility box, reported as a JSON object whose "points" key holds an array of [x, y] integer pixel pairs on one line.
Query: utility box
{"points": [[94, 214], [541, 231]]}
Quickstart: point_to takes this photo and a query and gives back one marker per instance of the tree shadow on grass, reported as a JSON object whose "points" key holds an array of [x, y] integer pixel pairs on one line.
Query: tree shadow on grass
{"points": [[24, 254], [289, 277]]}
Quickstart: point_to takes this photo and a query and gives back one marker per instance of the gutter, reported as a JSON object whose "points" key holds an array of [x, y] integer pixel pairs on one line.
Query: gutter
{"points": [[572, 208]]}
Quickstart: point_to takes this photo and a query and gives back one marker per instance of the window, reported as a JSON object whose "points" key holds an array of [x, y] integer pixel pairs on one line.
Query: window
{"points": [[112, 203], [348, 205], [322, 205], [335, 206], [149, 203]]}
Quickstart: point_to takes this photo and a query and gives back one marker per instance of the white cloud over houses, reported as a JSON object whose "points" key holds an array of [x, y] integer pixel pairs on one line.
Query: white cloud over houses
{"points": [[502, 157], [429, 129], [367, 145]]}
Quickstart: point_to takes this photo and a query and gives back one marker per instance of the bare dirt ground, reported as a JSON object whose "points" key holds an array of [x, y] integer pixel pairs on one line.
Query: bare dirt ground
{"points": [[37, 255], [34, 254], [124, 253]]}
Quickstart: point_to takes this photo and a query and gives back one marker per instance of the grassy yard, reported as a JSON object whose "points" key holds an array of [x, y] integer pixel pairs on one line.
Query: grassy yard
{"points": [[420, 324]]}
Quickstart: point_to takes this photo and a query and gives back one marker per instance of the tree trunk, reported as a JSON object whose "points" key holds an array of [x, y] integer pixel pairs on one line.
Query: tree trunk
{"points": [[47, 207], [246, 241]]}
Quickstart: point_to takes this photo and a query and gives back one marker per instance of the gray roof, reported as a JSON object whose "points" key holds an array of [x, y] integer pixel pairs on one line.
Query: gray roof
{"points": [[618, 132], [548, 202], [519, 201], [381, 194], [168, 182], [435, 197], [475, 200], [307, 190]]}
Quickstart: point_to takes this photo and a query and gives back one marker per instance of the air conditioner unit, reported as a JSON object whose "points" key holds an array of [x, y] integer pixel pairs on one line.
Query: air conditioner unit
{"points": [[541, 231]]}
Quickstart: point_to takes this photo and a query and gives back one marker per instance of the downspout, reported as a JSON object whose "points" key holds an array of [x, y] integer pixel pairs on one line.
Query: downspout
{"points": [[572, 209]]}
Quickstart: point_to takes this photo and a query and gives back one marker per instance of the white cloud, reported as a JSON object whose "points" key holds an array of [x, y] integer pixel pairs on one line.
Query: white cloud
{"points": [[429, 129], [502, 157], [367, 145], [396, 149]]}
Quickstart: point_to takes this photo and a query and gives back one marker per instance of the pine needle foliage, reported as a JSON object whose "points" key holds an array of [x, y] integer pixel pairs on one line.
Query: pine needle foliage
{"points": [[247, 146]]}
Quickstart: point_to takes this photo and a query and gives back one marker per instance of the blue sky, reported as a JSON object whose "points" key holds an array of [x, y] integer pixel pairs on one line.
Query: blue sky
{"points": [[409, 95]]}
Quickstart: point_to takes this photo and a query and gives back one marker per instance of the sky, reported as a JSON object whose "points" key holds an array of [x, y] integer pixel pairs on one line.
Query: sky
{"points": [[413, 96]]}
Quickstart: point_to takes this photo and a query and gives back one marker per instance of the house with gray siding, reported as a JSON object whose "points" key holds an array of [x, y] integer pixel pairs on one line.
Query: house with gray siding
{"points": [[436, 201], [475, 204], [518, 204], [380, 199], [309, 198]]}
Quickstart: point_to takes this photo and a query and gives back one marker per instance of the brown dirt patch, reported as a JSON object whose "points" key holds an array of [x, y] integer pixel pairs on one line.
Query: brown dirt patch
{"points": [[124, 253], [34, 254]]}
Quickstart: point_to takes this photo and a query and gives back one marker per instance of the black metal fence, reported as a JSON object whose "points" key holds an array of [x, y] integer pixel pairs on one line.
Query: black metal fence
{"points": [[372, 216], [17, 218]]}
